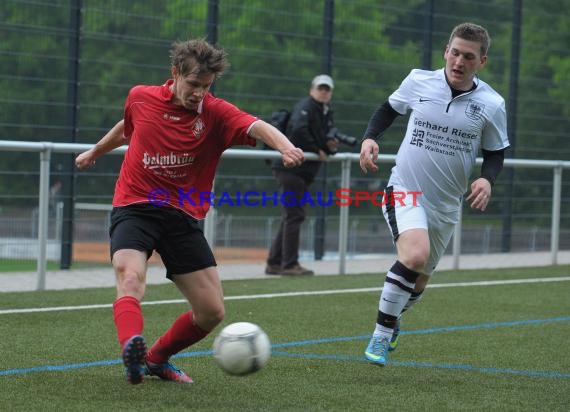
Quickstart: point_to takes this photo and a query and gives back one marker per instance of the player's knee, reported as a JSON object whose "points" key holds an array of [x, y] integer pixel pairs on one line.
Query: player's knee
{"points": [[130, 283], [415, 260], [211, 317], [218, 315]]}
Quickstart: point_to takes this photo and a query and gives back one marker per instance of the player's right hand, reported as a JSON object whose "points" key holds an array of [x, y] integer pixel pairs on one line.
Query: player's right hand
{"points": [[293, 157], [85, 160], [369, 155]]}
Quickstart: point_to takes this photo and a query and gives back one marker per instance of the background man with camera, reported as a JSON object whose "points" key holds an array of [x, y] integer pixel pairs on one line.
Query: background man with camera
{"points": [[309, 129]]}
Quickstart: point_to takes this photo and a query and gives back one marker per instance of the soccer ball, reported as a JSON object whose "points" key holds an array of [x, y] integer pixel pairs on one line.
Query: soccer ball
{"points": [[242, 348]]}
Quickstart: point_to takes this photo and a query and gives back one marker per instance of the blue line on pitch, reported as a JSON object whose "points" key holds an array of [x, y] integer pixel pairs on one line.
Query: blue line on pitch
{"points": [[56, 368], [541, 374], [433, 330]]}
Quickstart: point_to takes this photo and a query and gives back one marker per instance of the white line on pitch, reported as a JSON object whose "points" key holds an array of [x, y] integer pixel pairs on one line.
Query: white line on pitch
{"points": [[290, 294]]}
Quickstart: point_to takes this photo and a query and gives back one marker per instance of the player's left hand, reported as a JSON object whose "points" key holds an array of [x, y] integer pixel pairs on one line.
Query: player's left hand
{"points": [[292, 157], [480, 194], [369, 155]]}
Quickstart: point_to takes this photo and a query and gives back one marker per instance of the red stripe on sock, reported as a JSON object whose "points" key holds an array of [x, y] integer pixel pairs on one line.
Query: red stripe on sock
{"points": [[128, 317], [183, 333]]}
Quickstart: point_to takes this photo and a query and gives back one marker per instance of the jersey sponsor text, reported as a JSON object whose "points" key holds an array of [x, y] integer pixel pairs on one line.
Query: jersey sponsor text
{"points": [[152, 161]]}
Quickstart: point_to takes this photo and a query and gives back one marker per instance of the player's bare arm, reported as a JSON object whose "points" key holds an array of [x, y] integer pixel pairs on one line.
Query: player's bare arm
{"points": [[369, 155], [480, 194], [113, 139], [291, 155]]}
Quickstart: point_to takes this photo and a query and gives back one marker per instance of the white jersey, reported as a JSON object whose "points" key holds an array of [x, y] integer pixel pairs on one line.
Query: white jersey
{"points": [[443, 136]]}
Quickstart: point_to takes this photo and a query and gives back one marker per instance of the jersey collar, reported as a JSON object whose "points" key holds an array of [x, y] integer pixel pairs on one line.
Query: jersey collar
{"points": [[166, 94], [446, 84]]}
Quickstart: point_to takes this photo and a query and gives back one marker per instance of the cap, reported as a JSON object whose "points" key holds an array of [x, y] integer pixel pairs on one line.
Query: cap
{"points": [[323, 79]]}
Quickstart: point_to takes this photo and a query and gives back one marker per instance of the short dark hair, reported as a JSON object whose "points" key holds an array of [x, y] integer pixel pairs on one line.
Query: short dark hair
{"points": [[472, 32], [197, 56]]}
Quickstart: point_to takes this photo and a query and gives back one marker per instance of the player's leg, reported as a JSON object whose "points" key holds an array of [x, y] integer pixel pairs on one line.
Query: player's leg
{"points": [[408, 224], [191, 265], [440, 232], [415, 297], [396, 292], [203, 289], [130, 269], [131, 246]]}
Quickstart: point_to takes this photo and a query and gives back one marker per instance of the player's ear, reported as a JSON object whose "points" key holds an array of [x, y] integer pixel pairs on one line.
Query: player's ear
{"points": [[174, 71]]}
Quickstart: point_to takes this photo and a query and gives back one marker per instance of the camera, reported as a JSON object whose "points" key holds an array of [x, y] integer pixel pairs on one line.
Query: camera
{"points": [[341, 137]]}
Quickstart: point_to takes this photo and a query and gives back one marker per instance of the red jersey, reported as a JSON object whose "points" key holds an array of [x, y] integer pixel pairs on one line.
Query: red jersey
{"points": [[175, 152]]}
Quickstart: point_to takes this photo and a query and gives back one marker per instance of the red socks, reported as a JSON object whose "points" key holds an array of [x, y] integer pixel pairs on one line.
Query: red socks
{"points": [[183, 333], [129, 322], [128, 318]]}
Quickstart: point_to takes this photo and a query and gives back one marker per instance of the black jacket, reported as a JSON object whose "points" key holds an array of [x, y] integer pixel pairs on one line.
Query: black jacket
{"points": [[308, 128]]}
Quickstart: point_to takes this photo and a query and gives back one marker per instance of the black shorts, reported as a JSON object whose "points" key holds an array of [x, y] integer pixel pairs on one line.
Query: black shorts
{"points": [[175, 235]]}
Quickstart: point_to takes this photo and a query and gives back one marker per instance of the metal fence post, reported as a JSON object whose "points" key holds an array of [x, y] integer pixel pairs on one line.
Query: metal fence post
{"points": [[555, 226], [343, 218], [43, 214]]}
